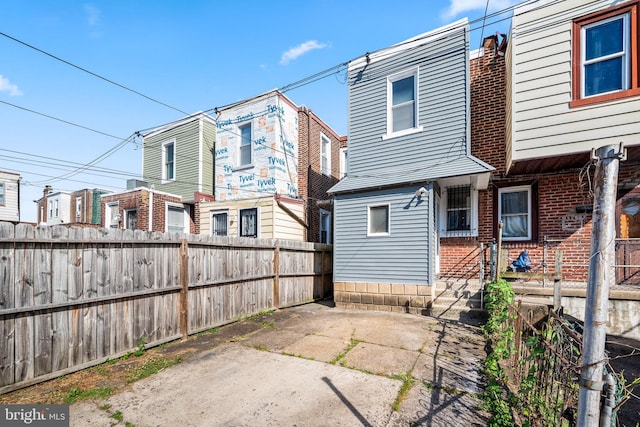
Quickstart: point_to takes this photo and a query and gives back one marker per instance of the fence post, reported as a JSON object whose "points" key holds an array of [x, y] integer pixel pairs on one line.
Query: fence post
{"points": [[276, 276], [184, 292]]}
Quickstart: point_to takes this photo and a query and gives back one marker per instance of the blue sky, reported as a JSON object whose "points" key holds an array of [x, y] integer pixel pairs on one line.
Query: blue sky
{"points": [[191, 56]]}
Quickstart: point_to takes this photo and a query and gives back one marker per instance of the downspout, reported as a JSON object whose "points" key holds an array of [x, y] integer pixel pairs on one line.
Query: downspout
{"points": [[308, 112], [150, 226]]}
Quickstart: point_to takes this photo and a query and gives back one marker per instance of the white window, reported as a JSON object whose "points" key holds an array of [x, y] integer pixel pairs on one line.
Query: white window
{"points": [[78, 207], [248, 222], [112, 219], [325, 154], [56, 208], [402, 103], [131, 219], [176, 219], [219, 223], [378, 220], [459, 211], [605, 56], [325, 226], [169, 161], [245, 145], [514, 210], [343, 162], [1, 193]]}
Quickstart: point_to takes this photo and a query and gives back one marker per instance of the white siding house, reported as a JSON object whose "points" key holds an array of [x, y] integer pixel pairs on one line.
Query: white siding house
{"points": [[9, 196]]}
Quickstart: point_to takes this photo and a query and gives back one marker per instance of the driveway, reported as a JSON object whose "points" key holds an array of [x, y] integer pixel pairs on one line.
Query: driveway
{"points": [[312, 365]]}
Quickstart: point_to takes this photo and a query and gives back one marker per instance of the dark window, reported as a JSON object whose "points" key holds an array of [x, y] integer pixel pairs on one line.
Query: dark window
{"points": [[249, 222]]}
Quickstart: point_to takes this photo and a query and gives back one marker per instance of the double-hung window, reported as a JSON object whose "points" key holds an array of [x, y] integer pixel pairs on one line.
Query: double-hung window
{"points": [[245, 145], [515, 212], [175, 219], [131, 219], [343, 162], [402, 103], [378, 220], [325, 154], [605, 55], [1, 193], [219, 223], [249, 222], [169, 161]]}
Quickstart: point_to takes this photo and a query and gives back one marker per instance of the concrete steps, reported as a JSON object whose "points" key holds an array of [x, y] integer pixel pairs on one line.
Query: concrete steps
{"points": [[457, 300]]}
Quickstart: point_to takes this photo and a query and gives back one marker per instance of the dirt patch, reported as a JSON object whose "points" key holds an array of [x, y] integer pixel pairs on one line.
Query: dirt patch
{"points": [[118, 374]]}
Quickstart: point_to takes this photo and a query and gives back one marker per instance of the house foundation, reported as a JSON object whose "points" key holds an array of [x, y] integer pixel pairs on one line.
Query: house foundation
{"points": [[399, 298]]}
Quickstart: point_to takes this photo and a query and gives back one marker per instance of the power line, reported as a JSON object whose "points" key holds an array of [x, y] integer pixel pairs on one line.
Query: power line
{"points": [[90, 72]]}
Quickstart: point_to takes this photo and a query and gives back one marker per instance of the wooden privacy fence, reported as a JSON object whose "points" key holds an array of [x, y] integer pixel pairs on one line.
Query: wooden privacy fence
{"points": [[71, 298]]}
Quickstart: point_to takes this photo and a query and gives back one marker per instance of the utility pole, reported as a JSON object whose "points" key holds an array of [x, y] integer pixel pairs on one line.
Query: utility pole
{"points": [[601, 275]]}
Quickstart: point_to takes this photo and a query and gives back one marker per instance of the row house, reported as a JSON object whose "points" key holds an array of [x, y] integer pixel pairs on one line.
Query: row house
{"points": [[274, 162], [412, 179], [567, 84], [81, 207], [259, 168], [530, 113], [10, 196]]}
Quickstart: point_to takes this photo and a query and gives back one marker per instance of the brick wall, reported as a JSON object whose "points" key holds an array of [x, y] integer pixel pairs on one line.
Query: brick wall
{"points": [[312, 183], [139, 199], [558, 193]]}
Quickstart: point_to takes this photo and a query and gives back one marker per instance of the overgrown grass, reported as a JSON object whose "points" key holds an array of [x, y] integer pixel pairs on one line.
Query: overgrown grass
{"points": [[76, 394], [352, 343], [208, 331], [151, 367], [499, 331], [407, 384]]}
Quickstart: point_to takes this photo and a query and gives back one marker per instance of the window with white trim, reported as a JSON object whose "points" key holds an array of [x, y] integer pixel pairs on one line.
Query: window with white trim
{"points": [[325, 154], [78, 207], [175, 219], [514, 210], [169, 161], [378, 220], [131, 219], [343, 162], [248, 222], [605, 56], [245, 157], [2, 197], [219, 223], [459, 211], [402, 103], [325, 226]]}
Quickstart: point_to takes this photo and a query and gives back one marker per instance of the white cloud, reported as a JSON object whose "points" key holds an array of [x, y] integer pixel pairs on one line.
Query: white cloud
{"points": [[457, 7], [7, 86], [299, 50], [93, 14]]}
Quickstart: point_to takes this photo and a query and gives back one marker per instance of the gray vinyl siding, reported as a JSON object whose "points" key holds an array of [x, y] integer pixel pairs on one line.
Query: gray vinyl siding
{"points": [[404, 256], [187, 151], [442, 109]]}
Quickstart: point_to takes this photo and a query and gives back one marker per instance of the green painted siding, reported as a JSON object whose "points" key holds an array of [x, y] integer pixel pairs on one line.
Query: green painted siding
{"points": [[193, 162]]}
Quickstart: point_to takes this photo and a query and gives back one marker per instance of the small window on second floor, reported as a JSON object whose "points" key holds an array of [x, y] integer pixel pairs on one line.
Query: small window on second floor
{"points": [[78, 207], [343, 162], [325, 154], [169, 161], [1, 194], [605, 57], [245, 146]]}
